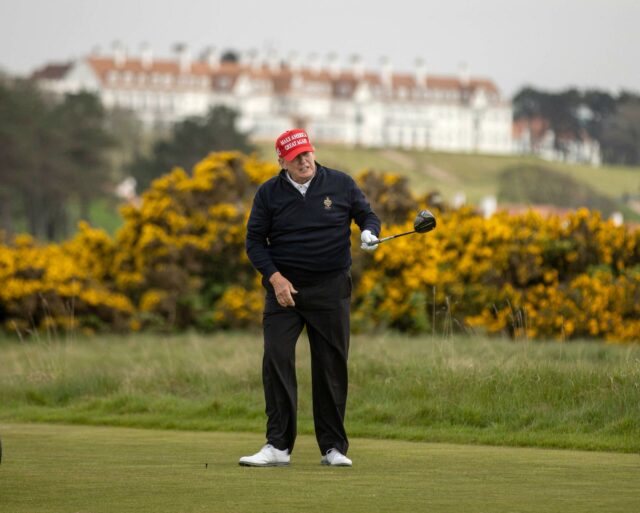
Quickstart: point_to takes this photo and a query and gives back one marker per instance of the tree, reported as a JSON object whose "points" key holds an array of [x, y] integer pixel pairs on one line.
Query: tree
{"points": [[51, 152], [130, 139], [570, 114], [621, 135], [558, 109], [86, 142], [230, 56], [7, 156], [22, 136], [189, 141], [601, 105], [527, 103]]}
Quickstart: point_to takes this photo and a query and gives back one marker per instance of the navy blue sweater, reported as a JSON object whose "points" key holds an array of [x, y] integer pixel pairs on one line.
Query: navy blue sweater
{"points": [[297, 234]]}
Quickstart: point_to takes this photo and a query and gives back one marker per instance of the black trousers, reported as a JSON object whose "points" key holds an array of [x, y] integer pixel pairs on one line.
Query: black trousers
{"points": [[323, 307]]}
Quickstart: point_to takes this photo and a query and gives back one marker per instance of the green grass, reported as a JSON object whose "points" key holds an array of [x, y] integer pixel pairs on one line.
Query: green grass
{"points": [[100, 469], [464, 390], [103, 213], [476, 175]]}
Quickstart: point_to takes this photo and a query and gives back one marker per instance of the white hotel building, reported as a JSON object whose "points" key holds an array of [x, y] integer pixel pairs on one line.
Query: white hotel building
{"points": [[347, 105]]}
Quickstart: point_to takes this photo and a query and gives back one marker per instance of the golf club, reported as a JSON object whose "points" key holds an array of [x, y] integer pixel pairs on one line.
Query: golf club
{"points": [[425, 222]]}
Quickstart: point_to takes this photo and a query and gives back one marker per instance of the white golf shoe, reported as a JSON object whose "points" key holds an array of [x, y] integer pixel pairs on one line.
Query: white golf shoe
{"points": [[335, 458], [268, 456]]}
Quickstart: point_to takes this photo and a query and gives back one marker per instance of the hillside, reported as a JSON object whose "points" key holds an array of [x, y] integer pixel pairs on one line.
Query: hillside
{"points": [[475, 175], [448, 173]]}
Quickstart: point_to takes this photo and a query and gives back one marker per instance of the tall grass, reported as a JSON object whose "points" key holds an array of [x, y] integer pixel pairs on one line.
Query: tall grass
{"points": [[578, 395]]}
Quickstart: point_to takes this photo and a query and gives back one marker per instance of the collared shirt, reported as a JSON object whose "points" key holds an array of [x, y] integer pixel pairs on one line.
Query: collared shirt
{"points": [[302, 187]]}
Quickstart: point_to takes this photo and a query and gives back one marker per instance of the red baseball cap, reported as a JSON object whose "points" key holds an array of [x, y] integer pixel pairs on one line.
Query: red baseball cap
{"points": [[292, 143]]}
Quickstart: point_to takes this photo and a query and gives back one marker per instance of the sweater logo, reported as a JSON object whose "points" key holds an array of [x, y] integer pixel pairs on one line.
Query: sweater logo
{"points": [[327, 203]]}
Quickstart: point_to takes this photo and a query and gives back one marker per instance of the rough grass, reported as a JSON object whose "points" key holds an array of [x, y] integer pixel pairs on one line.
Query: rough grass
{"points": [[467, 390], [105, 469]]}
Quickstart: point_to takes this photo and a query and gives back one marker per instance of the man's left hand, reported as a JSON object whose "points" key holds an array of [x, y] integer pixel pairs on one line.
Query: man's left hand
{"points": [[366, 238]]}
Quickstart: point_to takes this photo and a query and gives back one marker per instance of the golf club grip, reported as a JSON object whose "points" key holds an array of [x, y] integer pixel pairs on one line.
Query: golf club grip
{"points": [[389, 238]]}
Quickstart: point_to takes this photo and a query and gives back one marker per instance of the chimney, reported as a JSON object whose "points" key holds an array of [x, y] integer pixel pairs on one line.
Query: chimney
{"points": [[253, 59], [119, 54], [294, 62], [146, 56], [420, 71], [386, 73], [272, 61], [211, 56], [333, 65], [357, 66], [184, 57], [463, 74], [314, 63]]}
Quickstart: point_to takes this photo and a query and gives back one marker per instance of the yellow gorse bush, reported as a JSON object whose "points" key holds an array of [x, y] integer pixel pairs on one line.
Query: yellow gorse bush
{"points": [[60, 285], [525, 276], [182, 251], [179, 261], [178, 255]]}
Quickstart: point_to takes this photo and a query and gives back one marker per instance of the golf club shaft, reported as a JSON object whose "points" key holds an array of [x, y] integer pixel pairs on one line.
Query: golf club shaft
{"points": [[389, 238]]}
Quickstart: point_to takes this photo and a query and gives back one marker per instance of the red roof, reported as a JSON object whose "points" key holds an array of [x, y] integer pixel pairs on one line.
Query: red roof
{"points": [[536, 126], [455, 83], [55, 71], [102, 65], [224, 76]]}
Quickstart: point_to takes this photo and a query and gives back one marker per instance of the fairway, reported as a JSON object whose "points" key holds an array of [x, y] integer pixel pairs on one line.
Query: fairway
{"points": [[57, 468]]}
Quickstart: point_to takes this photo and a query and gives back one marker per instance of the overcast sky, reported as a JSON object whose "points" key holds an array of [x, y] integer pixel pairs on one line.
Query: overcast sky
{"points": [[551, 44]]}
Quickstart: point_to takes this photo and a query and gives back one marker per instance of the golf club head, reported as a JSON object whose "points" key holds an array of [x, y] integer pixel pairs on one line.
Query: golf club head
{"points": [[425, 222]]}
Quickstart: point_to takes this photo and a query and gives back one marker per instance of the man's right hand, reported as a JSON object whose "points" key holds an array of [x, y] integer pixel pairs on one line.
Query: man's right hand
{"points": [[284, 289], [367, 239]]}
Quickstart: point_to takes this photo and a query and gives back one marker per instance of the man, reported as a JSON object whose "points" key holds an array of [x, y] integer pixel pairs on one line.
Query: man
{"points": [[298, 238]]}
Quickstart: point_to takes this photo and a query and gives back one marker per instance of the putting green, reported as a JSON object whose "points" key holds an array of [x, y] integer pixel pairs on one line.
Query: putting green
{"points": [[59, 468]]}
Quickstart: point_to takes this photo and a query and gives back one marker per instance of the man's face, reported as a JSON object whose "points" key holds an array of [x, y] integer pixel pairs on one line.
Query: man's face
{"points": [[302, 168]]}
